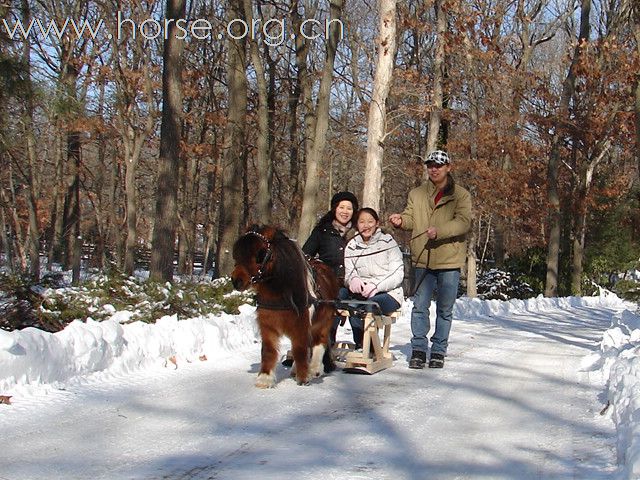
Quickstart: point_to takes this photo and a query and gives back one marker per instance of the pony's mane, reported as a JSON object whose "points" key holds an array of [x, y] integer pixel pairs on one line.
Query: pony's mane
{"points": [[287, 270]]}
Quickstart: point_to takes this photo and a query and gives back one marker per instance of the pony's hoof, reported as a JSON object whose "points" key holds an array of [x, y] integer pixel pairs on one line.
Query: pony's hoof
{"points": [[265, 380], [303, 383], [330, 367]]}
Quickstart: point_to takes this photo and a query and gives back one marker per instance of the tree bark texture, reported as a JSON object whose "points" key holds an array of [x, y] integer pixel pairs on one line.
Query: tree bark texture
{"points": [[377, 108], [312, 182], [231, 201], [263, 145], [435, 118], [165, 224], [553, 196]]}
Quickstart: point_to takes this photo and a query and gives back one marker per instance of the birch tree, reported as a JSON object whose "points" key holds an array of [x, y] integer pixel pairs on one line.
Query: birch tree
{"points": [[435, 117], [376, 132]]}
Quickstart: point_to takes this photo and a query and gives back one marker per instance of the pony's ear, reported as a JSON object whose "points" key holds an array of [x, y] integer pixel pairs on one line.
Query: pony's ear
{"points": [[279, 235], [263, 255]]}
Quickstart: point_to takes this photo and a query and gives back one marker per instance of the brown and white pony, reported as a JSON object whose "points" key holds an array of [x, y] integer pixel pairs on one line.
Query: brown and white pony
{"points": [[294, 298]]}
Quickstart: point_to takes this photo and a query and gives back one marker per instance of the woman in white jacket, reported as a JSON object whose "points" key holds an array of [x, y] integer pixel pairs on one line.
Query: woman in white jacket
{"points": [[374, 269]]}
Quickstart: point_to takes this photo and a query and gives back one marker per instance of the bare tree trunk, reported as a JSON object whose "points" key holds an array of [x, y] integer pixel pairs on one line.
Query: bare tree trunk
{"points": [[474, 98], [131, 210], [472, 261], [312, 182], [553, 196], [210, 215], [6, 245], [435, 118], [263, 147], [637, 115], [636, 33], [189, 213], [100, 205], [585, 181], [112, 230], [32, 195], [301, 91], [164, 229], [233, 150], [15, 222], [32, 205], [377, 108], [133, 141], [56, 244], [74, 151]]}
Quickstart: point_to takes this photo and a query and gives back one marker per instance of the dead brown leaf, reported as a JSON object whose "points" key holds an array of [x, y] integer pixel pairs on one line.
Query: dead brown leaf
{"points": [[5, 399], [173, 360]]}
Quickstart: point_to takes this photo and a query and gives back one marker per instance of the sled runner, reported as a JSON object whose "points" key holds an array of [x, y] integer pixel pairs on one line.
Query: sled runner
{"points": [[375, 355]]}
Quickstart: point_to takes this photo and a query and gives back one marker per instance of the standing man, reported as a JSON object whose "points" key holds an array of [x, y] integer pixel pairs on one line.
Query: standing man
{"points": [[439, 214]]}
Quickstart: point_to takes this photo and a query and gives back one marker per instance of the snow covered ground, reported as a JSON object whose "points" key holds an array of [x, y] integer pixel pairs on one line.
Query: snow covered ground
{"points": [[542, 388]]}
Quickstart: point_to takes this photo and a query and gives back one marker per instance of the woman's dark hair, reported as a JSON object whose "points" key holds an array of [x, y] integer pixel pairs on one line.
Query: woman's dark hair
{"points": [[368, 210], [335, 201]]}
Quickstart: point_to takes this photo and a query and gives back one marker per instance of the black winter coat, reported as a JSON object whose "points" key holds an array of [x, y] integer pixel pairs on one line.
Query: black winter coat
{"points": [[327, 244]]}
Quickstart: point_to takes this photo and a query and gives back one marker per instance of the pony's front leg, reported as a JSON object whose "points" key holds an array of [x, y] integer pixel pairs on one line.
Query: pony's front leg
{"points": [[300, 351], [267, 376]]}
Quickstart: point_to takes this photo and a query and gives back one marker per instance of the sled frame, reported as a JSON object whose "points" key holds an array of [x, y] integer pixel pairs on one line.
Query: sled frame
{"points": [[375, 355]]}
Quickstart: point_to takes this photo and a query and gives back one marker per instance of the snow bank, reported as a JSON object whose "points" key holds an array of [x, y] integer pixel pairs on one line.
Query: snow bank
{"points": [[618, 361], [466, 307], [32, 358]]}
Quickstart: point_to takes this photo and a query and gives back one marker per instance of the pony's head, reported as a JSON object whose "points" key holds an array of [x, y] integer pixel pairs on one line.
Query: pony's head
{"points": [[253, 254], [265, 256]]}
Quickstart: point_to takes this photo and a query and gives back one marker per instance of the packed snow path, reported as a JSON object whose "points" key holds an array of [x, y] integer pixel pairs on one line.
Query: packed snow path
{"points": [[510, 403]]}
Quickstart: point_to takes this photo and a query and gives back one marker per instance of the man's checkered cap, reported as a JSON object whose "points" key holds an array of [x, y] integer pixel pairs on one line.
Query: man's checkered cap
{"points": [[438, 157]]}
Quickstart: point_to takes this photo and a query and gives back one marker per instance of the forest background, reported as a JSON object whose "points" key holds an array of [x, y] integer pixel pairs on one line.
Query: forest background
{"points": [[153, 132]]}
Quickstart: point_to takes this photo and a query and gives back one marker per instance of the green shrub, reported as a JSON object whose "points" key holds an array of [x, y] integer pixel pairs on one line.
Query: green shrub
{"points": [[530, 268], [53, 308], [499, 285], [628, 289]]}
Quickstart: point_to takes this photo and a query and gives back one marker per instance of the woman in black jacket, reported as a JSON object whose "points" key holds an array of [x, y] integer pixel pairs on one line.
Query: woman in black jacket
{"points": [[330, 235]]}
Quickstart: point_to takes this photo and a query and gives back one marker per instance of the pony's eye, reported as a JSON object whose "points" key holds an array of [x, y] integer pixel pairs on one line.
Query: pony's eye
{"points": [[263, 255]]}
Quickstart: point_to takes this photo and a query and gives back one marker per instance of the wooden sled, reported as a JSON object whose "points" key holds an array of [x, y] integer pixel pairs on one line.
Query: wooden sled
{"points": [[375, 355]]}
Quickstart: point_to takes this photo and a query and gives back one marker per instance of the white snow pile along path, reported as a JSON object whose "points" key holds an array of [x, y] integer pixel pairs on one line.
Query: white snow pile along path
{"points": [[540, 388]]}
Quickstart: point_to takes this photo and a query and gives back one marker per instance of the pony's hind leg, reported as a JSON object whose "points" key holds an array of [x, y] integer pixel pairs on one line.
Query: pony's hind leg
{"points": [[320, 332], [317, 354]]}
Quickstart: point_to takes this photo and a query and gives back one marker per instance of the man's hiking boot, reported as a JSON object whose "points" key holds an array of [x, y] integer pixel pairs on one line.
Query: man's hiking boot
{"points": [[418, 359], [436, 360]]}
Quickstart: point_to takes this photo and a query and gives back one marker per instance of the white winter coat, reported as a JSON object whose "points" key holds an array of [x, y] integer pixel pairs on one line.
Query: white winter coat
{"points": [[378, 261]]}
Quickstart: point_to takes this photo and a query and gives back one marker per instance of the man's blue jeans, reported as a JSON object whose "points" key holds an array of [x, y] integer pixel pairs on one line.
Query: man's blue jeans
{"points": [[444, 284]]}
